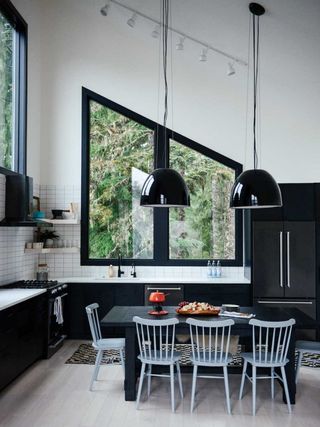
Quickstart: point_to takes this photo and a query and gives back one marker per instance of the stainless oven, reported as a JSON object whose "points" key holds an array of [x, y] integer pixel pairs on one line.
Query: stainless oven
{"points": [[174, 293]]}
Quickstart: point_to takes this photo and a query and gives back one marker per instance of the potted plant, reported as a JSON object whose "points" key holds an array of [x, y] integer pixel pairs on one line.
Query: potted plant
{"points": [[48, 237]]}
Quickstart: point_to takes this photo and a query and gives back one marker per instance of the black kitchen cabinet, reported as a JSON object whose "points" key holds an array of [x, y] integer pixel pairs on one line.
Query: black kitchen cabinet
{"points": [[284, 259], [299, 204], [219, 294], [81, 295], [106, 295], [22, 336]]}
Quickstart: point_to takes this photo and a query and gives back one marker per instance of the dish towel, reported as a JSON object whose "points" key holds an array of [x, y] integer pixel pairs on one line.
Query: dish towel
{"points": [[57, 310]]}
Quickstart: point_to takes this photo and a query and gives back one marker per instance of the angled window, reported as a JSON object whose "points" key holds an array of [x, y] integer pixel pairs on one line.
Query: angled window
{"points": [[120, 148], [13, 66]]}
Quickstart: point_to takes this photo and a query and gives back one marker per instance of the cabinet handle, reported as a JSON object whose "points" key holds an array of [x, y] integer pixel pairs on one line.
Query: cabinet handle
{"points": [[286, 302], [281, 256], [288, 259]]}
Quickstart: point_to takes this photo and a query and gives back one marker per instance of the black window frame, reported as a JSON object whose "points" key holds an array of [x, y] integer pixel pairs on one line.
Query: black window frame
{"points": [[20, 82], [161, 215]]}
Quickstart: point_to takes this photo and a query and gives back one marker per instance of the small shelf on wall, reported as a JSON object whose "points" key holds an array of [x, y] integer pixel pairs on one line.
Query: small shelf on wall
{"points": [[61, 221], [52, 251]]}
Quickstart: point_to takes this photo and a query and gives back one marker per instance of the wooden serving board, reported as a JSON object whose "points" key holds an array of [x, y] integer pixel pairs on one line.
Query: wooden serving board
{"points": [[198, 313]]}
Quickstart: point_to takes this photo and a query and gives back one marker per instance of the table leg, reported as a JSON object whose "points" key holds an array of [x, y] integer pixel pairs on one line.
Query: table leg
{"points": [[130, 371], [290, 371]]}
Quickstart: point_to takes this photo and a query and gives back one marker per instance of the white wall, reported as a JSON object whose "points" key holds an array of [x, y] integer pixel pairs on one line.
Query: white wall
{"points": [[72, 45]]}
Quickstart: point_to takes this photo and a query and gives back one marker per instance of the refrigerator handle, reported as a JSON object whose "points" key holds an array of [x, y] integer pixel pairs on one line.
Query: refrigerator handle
{"points": [[281, 259], [288, 259]]}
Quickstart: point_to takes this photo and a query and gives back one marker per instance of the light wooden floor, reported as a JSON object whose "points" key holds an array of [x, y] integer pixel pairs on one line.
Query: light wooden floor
{"points": [[52, 394]]}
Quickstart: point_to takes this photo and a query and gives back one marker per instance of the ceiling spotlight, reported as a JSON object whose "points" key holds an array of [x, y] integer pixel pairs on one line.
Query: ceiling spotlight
{"points": [[104, 10], [230, 70], [132, 21], [180, 43], [203, 55], [156, 32]]}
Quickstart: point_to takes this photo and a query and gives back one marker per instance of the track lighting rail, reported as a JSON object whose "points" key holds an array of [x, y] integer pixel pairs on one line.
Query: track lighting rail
{"points": [[181, 34]]}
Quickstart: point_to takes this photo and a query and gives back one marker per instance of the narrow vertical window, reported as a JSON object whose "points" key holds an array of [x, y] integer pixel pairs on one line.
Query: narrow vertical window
{"points": [[13, 88], [7, 89]]}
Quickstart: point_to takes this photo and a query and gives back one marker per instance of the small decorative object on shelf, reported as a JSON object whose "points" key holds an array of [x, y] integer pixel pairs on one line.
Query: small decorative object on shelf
{"points": [[48, 237]]}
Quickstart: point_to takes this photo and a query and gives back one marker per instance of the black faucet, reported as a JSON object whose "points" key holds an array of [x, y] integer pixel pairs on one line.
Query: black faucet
{"points": [[133, 270], [120, 272]]}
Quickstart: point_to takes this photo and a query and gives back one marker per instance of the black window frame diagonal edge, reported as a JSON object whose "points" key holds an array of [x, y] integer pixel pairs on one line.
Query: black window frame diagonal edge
{"points": [[161, 215]]}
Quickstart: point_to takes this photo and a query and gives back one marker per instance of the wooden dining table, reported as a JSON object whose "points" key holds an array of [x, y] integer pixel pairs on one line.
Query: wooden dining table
{"points": [[121, 317]]}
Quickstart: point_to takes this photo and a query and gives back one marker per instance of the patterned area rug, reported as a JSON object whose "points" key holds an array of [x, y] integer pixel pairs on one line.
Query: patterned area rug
{"points": [[86, 355]]}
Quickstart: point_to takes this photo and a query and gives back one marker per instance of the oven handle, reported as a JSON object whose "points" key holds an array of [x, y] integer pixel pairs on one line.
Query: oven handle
{"points": [[61, 296], [163, 289]]}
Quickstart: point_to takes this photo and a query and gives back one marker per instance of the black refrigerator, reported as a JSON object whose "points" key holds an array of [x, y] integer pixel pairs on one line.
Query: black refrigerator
{"points": [[284, 254]]}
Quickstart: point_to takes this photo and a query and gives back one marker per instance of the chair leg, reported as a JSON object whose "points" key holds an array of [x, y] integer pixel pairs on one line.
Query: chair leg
{"points": [[96, 368], [272, 383], [149, 379], [122, 362], [172, 387], [254, 389], [143, 367], [286, 390], [194, 382], [243, 378], [300, 354], [226, 385], [179, 379]]}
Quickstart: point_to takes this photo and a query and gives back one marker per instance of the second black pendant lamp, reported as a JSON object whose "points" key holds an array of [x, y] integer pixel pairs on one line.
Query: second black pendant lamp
{"points": [[165, 187], [255, 188]]}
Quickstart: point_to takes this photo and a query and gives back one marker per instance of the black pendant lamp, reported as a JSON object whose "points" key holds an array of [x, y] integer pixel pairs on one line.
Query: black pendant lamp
{"points": [[165, 187], [255, 188]]}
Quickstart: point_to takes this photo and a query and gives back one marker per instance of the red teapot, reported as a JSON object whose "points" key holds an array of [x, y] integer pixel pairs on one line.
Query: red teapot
{"points": [[157, 297]]}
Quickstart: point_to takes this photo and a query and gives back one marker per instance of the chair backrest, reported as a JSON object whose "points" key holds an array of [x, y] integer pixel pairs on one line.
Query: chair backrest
{"points": [[156, 338], [270, 340], [92, 313], [210, 340]]}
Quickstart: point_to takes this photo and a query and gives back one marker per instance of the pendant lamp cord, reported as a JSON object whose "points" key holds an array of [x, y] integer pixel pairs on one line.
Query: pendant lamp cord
{"points": [[165, 19], [255, 38]]}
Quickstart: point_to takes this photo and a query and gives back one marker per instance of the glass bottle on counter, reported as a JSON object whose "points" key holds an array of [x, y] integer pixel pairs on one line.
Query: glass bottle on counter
{"points": [[219, 269], [209, 269], [214, 269]]}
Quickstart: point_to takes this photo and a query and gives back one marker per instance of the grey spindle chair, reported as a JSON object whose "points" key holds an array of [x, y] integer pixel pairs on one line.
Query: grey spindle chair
{"points": [[270, 343], [210, 342], [101, 344], [156, 345]]}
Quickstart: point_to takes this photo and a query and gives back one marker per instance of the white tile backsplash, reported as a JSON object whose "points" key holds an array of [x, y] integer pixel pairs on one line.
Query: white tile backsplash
{"points": [[16, 265]]}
